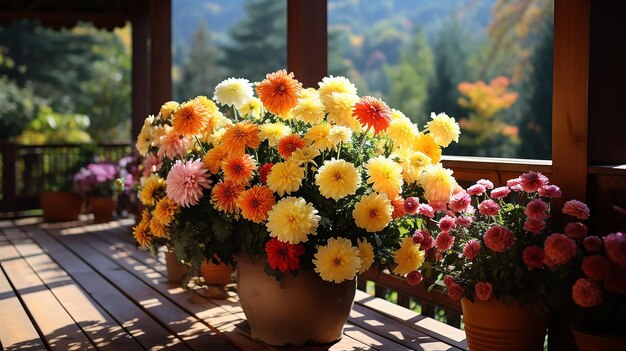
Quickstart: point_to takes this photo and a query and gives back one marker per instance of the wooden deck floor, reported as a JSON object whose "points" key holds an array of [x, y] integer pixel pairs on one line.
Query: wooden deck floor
{"points": [[82, 286]]}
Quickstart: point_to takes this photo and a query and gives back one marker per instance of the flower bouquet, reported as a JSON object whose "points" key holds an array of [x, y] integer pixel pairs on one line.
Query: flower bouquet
{"points": [[296, 182]]}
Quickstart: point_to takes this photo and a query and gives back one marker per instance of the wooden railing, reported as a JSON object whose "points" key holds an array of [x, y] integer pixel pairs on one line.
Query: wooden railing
{"points": [[27, 170]]}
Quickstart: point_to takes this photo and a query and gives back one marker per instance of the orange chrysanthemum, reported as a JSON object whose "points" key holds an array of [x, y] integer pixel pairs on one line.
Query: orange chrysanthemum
{"points": [[372, 113], [255, 203], [225, 194], [190, 118], [240, 135], [239, 169], [289, 144], [398, 207], [213, 159], [279, 92]]}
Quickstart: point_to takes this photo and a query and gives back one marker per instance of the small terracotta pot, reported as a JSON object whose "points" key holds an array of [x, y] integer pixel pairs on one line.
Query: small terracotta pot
{"points": [[60, 206], [216, 274], [102, 208], [591, 341], [175, 270], [492, 325], [297, 310]]}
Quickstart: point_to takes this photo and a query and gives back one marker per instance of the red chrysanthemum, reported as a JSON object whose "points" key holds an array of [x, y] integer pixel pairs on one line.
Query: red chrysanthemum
{"points": [[460, 201], [264, 171], [488, 208], [533, 181], [559, 249], [446, 223], [455, 292], [533, 257], [444, 241], [398, 207], [414, 278], [471, 249], [448, 280], [499, 238], [411, 204], [283, 256], [279, 92], [615, 245], [576, 230], [483, 290], [287, 145], [372, 113], [596, 267], [586, 293], [592, 243], [536, 209]]}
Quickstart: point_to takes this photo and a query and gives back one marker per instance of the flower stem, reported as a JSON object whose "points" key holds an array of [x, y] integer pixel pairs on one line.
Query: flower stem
{"points": [[235, 114], [200, 144]]}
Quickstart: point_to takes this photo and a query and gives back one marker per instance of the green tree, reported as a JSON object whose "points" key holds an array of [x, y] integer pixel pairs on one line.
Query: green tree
{"points": [[259, 41], [199, 73]]}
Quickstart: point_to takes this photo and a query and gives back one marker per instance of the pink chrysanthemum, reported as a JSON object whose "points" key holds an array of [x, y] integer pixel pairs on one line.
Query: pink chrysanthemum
{"points": [[438, 206], [592, 243], [427, 240], [448, 280], [534, 226], [455, 292], [483, 290], [514, 184], [464, 221], [152, 164], [596, 267], [414, 278], [577, 209], [536, 209], [488, 208], [172, 145], [499, 238], [444, 241], [615, 245], [533, 257], [410, 205], [559, 249], [446, 223], [471, 249], [551, 191], [476, 189], [576, 230], [460, 201], [500, 192], [418, 236], [533, 181], [185, 182], [426, 210], [586, 293], [488, 184]]}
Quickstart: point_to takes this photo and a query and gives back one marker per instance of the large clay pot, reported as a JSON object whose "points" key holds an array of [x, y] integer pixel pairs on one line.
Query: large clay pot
{"points": [[216, 274], [102, 208], [591, 341], [60, 206], [493, 325], [296, 310], [175, 270]]}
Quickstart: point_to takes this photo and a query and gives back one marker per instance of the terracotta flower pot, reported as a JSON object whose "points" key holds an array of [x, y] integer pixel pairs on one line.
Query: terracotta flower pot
{"points": [[102, 208], [216, 274], [591, 341], [492, 325], [295, 310], [60, 206], [175, 270]]}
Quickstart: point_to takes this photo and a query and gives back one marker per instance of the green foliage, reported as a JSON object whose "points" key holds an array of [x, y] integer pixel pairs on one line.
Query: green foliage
{"points": [[51, 127], [18, 106]]}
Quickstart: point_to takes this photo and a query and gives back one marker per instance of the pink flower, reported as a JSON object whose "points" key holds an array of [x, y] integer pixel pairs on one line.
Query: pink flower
{"points": [[460, 201], [427, 241], [448, 280], [596, 267], [615, 246], [533, 181], [464, 221], [483, 290], [586, 293], [551, 191], [592, 243], [438, 206], [446, 223], [410, 205], [488, 208], [486, 183], [514, 184], [418, 236], [499, 238], [533, 257], [185, 182], [534, 226], [536, 209], [617, 282], [471, 249], [152, 164], [577, 209], [476, 189], [500, 192], [559, 249], [444, 241], [426, 210], [414, 278], [576, 230], [455, 292], [172, 145]]}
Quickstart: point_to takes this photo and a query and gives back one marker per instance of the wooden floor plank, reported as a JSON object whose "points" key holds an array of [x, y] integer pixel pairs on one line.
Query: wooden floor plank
{"points": [[141, 326], [17, 331]]}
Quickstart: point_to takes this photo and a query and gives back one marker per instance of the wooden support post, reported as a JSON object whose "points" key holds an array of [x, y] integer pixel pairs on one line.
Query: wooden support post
{"points": [[307, 40], [140, 65], [160, 53]]}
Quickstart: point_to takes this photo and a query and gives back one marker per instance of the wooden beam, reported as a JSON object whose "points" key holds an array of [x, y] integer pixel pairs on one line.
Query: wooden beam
{"points": [[160, 53], [307, 40], [140, 65]]}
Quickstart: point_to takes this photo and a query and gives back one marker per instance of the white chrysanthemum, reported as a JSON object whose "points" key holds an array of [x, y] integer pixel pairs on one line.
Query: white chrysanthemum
{"points": [[233, 92], [339, 134]]}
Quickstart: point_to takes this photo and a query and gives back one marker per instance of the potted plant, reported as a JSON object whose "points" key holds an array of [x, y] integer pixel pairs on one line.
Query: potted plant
{"points": [[96, 182], [497, 253], [302, 189]]}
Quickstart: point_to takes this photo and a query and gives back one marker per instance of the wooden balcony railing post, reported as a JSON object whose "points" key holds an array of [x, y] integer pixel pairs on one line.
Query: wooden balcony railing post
{"points": [[9, 176]]}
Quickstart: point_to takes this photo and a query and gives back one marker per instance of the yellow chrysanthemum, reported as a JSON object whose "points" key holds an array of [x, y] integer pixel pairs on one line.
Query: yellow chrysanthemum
{"points": [[216, 137], [339, 134], [408, 257], [443, 129], [285, 177], [214, 121], [309, 110], [292, 219], [167, 109], [152, 190], [411, 163], [438, 183], [273, 132], [165, 210], [157, 228], [337, 261], [330, 85], [252, 108], [146, 136], [141, 231], [309, 92], [366, 254], [402, 132], [213, 159], [426, 144], [337, 179], [209, 105], [340, 111], [233, 92], [385, 175], [397, 114], [317, 136], [304, 156], [373, 212]]}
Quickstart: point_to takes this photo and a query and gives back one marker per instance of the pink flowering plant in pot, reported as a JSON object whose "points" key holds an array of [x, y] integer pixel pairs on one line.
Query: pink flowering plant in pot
{"points": [[498, 242]]}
